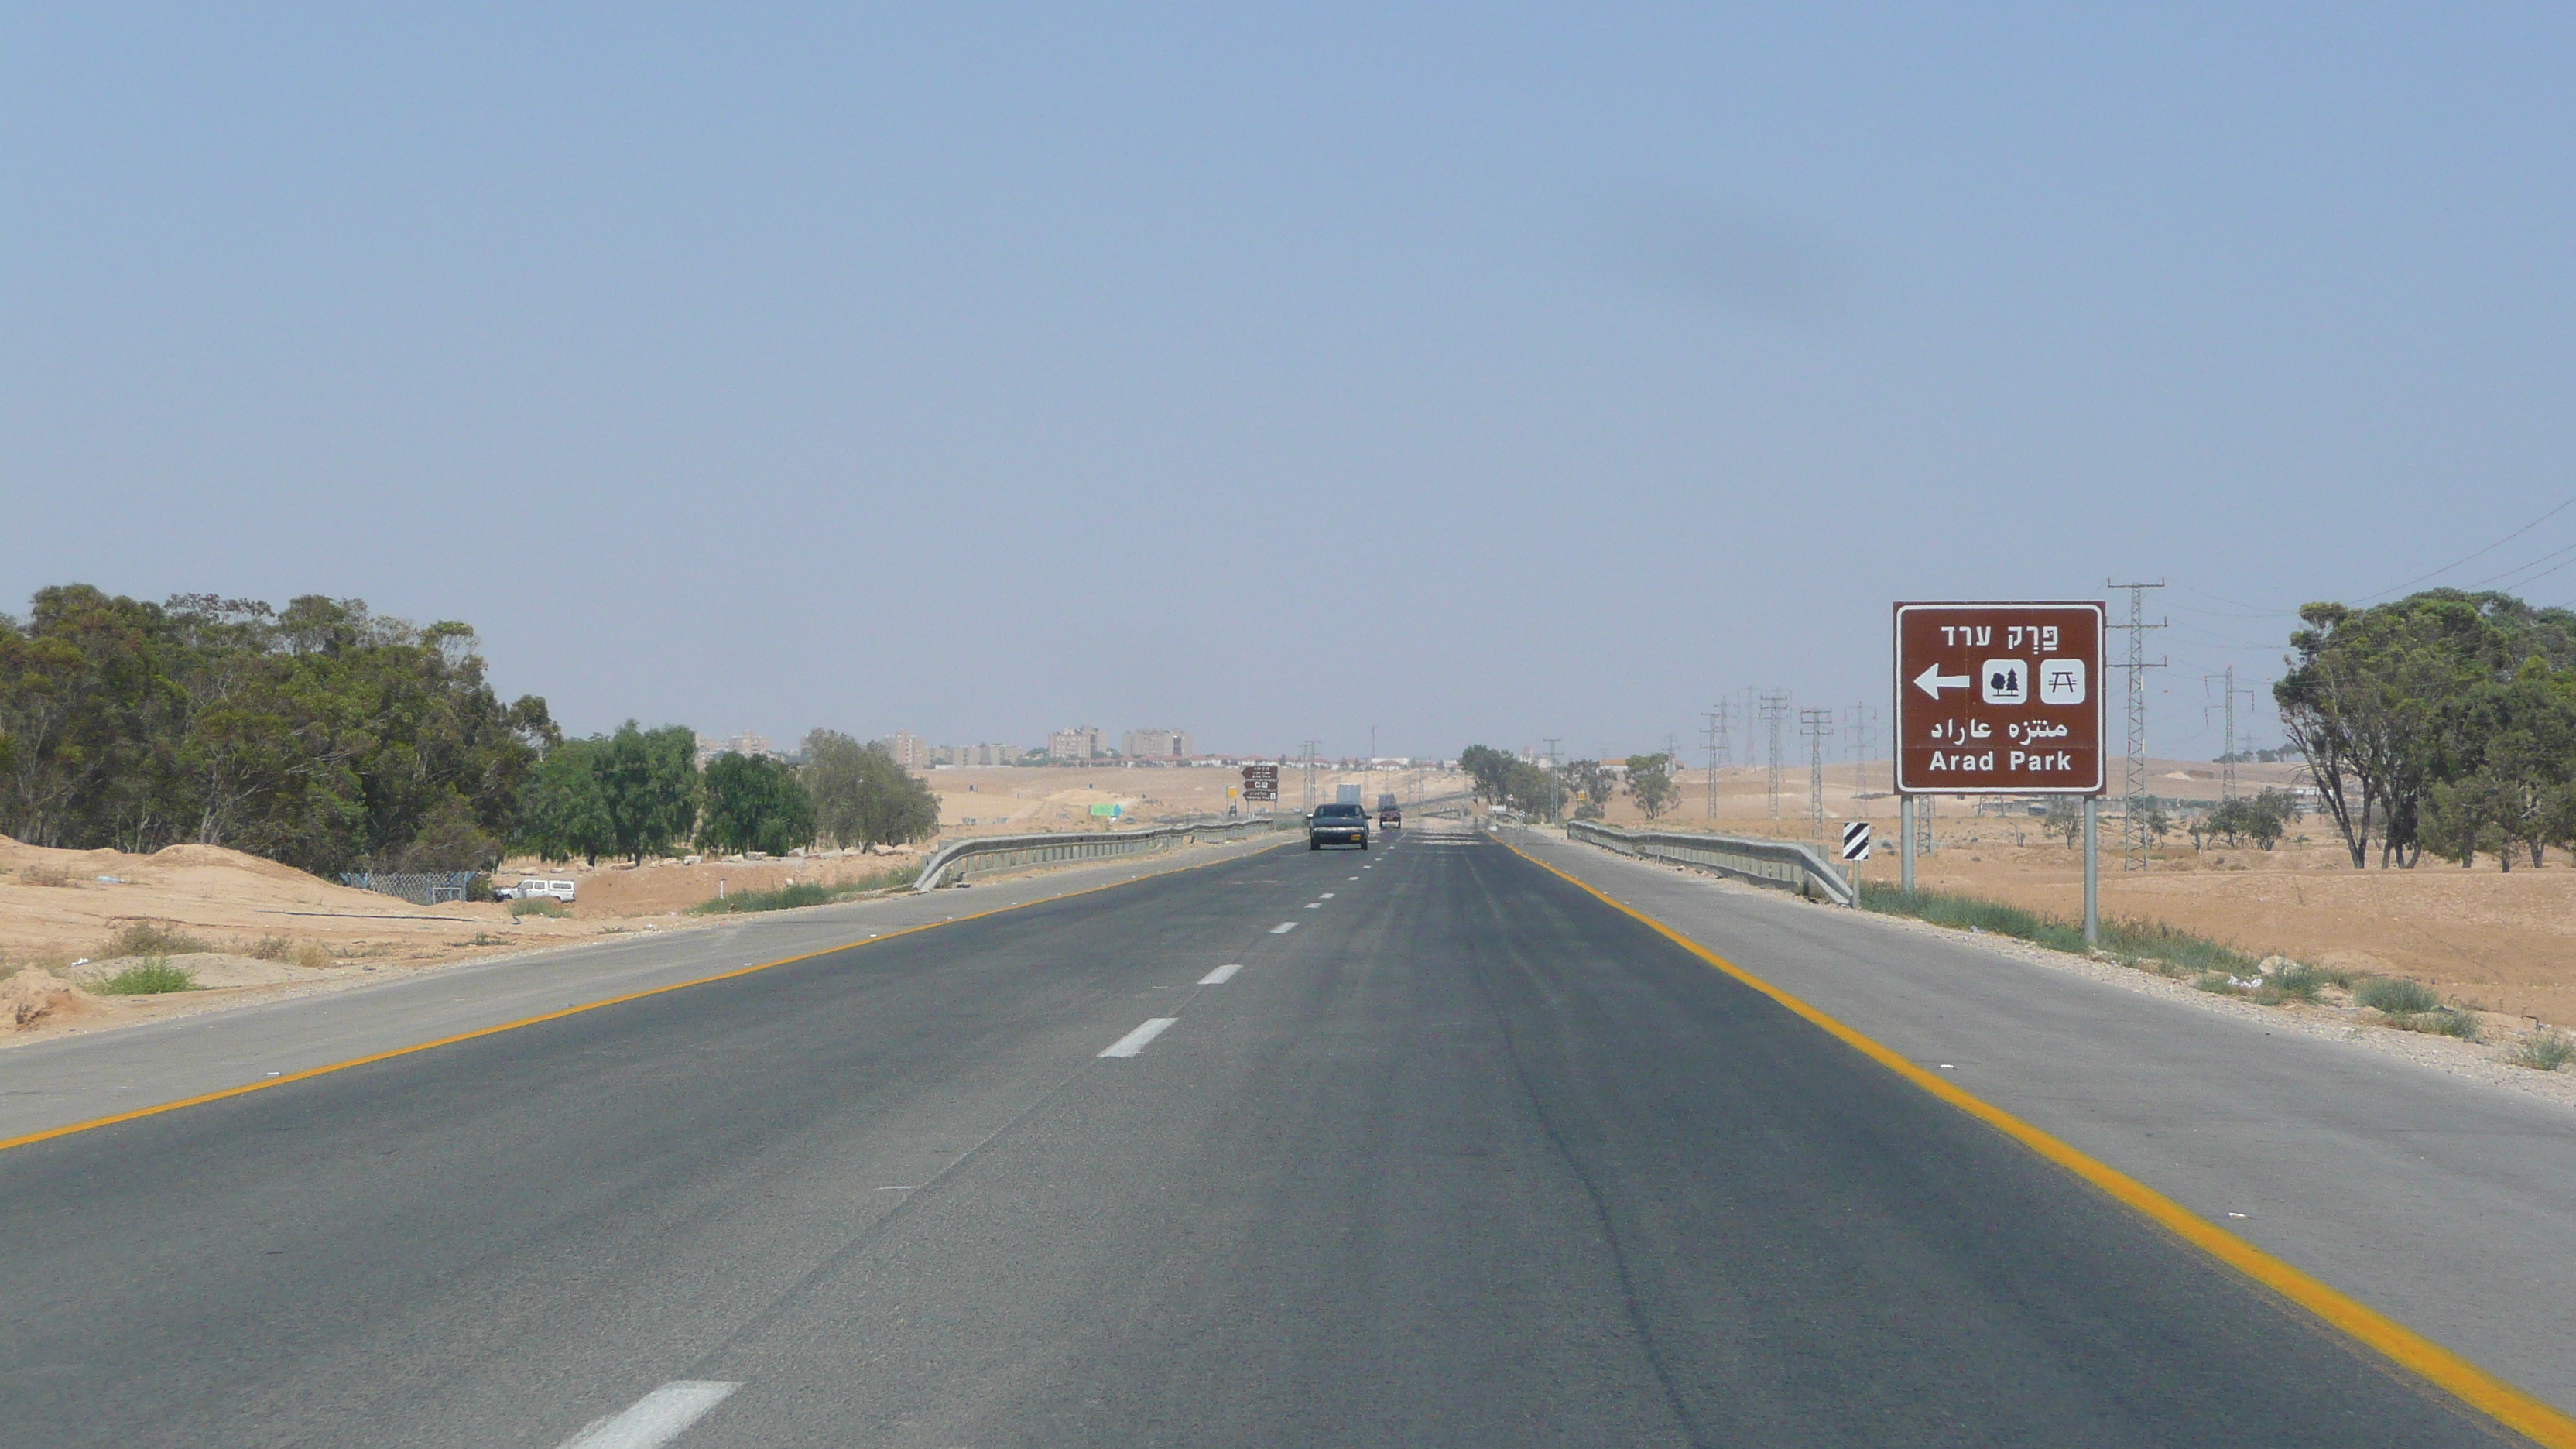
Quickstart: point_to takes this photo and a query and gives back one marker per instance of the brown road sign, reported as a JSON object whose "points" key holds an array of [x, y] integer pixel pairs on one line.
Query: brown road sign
{"points": [[1261, 782], [1999, 699]]}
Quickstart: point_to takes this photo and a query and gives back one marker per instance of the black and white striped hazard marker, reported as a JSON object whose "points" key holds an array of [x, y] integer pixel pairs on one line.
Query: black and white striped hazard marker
{"points": [[1856, 840]]}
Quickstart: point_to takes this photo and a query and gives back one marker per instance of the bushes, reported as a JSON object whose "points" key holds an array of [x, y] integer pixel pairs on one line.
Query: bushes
{"points": [[148, 938], [2395, 996], [151, 976], [539, 906], [2545, 1050]]}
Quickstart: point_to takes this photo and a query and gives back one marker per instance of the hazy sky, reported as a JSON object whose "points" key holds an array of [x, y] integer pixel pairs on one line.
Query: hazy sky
{"points": [[1473, 373]]}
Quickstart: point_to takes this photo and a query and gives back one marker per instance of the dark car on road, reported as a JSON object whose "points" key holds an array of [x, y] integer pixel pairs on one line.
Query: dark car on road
{"points": [[1337, 825]]}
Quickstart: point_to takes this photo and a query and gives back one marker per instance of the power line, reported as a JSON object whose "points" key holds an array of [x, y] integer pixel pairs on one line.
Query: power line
{"points": [[2535, 563], [2490, 548]]}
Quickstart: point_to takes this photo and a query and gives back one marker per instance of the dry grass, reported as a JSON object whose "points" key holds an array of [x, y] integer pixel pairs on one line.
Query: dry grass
{"points": [[45, 875], [152, 938], [312, 955]]}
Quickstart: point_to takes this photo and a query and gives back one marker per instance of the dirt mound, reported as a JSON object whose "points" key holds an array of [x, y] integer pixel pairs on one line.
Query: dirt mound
{"points": [[228, 858], [36, 996]]}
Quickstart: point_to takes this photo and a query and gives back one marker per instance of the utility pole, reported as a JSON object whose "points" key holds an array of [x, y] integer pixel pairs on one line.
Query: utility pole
{"points": [[1716, 753], [1310, 775], [2227, 707], [1775, 708], [1555, 781], [1861, 715], [2227, 760], [1815, 724], [2133, 803]]}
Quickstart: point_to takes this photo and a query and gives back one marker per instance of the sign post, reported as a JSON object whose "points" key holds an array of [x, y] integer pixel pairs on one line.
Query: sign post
{"points": [[2001, 699]]}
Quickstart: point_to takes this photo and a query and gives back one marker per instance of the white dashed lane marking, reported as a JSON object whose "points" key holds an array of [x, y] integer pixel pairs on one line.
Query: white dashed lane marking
{"points": [[1134, 1041], [1283, 928], [655, 1419], [1221, 975]]}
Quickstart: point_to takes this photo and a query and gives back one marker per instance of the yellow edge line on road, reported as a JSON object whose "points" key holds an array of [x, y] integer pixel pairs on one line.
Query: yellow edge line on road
{"points": [[2403, 1346], [48, 1134]]}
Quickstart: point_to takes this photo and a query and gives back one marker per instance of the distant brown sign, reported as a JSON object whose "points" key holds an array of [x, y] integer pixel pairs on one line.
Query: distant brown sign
{"points": [[1261, 782], [1999, 699]]}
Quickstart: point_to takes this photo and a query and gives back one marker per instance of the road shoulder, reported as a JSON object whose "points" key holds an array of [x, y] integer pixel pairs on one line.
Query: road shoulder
{"points": [[2440, 1201]]}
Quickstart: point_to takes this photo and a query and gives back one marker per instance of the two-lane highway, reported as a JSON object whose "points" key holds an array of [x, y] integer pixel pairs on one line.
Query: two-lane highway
{"points": [[1422, 1145]]}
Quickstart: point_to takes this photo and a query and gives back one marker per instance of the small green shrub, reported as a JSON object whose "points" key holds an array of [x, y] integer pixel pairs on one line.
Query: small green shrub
{"points": [[2441, 1021], [151, 976], [152, 938], [539, 906], [2395, 996], [2545, 1050], [2295, 983]]}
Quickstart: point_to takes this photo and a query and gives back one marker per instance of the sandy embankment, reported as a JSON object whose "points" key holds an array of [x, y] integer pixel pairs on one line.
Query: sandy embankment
{"points": [[271, 930]]}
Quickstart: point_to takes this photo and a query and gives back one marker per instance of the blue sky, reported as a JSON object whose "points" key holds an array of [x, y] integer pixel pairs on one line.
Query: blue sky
{"points": [[1478, 374]]}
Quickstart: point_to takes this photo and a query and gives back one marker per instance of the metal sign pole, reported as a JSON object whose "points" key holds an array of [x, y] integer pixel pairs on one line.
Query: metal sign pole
{"points": [[1905, 853], [2092, 870]]}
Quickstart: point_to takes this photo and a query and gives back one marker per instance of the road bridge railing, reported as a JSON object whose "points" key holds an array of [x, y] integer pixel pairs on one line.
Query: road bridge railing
{"points": [[1791, 865], [955, 860]]}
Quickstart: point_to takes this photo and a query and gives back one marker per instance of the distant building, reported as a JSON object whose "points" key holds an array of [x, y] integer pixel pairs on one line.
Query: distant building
{"points": [[976, 755], [1156, 744], [908, 750], [746, 743], [1082, 742]]}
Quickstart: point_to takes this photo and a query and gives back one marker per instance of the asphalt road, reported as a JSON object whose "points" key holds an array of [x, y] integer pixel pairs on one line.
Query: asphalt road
{"points": [[1455, 1154]]}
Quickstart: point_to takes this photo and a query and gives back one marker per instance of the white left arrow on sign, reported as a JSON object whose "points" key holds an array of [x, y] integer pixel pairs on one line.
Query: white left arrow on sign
{"points": [[1932, 681]]}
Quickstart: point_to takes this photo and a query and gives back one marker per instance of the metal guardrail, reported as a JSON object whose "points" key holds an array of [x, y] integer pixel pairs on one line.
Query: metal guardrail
{"points": [[1788, 864], [960, 858]]}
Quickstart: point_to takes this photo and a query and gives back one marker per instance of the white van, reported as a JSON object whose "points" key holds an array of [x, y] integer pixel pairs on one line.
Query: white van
{"points": [[531, 889]]}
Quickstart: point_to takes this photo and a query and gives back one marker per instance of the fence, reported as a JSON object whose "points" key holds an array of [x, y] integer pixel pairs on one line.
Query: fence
{"points": [[421, 888], [1787, 864], [959, 858]]}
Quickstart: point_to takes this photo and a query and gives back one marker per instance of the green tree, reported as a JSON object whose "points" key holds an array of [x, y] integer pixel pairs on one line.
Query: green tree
{"points": [[1651, 784], [862, 797], [2465, 816], [2373, 698], [1490, 770], [564, 812], [1588, 785], [754, 803], [320, 735], [2065, 820], [650, 779]]}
